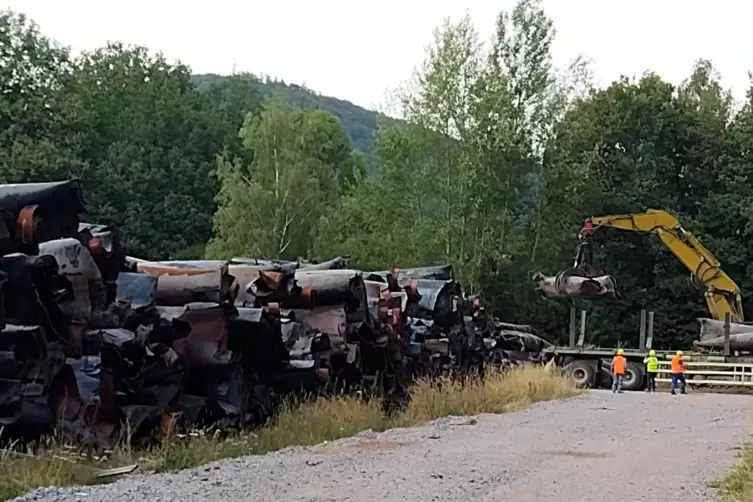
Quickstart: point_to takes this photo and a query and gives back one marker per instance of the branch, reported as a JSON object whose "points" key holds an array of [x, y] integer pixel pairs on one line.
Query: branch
{"points": [[281, 248]]}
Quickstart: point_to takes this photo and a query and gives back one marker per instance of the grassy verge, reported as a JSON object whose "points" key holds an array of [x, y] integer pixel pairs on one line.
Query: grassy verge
{"points": [[737, 485], [309, 424]]}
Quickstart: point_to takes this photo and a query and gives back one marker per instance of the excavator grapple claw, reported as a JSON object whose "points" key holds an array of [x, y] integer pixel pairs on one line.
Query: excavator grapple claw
{"points": [[580, 280]]}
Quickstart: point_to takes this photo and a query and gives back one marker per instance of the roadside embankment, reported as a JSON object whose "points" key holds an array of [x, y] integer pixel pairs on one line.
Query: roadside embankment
{"points": [[309, 424]]}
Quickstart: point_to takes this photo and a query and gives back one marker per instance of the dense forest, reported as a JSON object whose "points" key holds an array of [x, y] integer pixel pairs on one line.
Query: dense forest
{"points": [[498, 159]]}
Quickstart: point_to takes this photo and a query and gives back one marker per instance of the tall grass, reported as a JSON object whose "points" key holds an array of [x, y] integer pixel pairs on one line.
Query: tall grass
{"points": [[309, 424], [737, 485]]}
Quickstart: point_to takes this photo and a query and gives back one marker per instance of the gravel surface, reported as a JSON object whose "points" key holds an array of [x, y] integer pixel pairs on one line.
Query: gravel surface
{"points": [[595, 447]]}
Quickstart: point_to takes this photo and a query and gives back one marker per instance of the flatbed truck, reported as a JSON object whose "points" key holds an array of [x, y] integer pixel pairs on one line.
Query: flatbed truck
{"points": [[589, 366]]}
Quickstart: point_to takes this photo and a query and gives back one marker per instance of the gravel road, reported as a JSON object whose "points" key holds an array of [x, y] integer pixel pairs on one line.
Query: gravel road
{"points": [[595, 447]]}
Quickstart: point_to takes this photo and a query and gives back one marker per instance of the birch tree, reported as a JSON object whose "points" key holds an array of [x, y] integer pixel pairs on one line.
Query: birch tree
{"points": [[270, 207]]}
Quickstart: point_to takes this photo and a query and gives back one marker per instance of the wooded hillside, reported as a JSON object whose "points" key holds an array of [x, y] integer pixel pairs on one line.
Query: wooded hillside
{"points": [[500, 158], [359, 123]]}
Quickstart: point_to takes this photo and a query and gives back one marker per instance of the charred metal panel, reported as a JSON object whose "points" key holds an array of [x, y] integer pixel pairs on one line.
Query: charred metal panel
{"points": [[140, 289], [75, 263]]}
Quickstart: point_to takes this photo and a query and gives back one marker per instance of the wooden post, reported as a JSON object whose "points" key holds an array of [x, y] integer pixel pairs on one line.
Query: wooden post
{"points": [[650, 330], [727, 322], [582, 335], [642, 336], [572, 326]]}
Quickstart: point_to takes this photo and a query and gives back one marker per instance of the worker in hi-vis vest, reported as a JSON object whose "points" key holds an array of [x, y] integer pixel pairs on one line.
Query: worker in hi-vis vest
{"points": [[652, 369], [678, 373], [619, 364]]}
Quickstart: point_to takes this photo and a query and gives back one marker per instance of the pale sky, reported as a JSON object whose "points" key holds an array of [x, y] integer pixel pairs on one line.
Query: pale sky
{"points": [[358, 53]]}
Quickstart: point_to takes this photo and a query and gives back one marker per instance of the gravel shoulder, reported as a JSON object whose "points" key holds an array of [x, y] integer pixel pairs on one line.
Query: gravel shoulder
{"points": [[594, 447]]}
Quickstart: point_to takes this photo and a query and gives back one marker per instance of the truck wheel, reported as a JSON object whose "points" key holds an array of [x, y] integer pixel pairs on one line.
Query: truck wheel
{"points": [[634, 376], [581, 372]]}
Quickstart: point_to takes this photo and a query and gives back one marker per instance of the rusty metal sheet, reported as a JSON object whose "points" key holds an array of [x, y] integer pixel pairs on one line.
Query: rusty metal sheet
{"points": [[181, 285], [244, 276], [276, 285], [437, 273], [337, 287], [207, 343], [327, 319], [75, 262]]}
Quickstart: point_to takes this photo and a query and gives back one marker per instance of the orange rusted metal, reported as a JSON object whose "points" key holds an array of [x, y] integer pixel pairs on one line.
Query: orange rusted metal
{"points": [[27, 226], [273, 308], [167, 426], [157, 270], [271, 279]]}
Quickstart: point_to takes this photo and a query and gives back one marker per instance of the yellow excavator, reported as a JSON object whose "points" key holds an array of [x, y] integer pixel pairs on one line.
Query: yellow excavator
{"points": [[721, 293]]}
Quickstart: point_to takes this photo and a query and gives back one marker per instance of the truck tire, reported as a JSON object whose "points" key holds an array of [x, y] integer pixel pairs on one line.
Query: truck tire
{"points": [[635, 376], [581, 372]]}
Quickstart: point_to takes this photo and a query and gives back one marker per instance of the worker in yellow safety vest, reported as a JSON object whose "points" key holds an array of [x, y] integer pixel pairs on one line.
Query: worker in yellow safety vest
{"points": [[652, 369], [678, 373], [619, 365]]}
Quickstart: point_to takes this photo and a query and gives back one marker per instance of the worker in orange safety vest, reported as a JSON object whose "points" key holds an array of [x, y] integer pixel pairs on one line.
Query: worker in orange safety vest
{"points": [[678, 373], [619, 364]]}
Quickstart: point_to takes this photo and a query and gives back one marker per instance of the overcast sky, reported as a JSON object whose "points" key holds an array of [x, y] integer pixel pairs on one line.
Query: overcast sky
{"points": [[356, 51]]}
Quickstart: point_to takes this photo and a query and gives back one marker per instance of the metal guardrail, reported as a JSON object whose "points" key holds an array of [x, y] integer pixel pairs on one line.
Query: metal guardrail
{"points": [[706, 373]]}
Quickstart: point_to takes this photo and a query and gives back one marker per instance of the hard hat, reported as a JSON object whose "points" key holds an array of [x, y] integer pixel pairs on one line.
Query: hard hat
{"points": [[679, 353], [620, 352], [652, 353]]}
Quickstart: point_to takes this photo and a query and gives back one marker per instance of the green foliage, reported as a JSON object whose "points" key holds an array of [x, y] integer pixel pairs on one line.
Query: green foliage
{"points": [[270, 207], [463, 174], [359, 123], [150, 143], [35, 139]]}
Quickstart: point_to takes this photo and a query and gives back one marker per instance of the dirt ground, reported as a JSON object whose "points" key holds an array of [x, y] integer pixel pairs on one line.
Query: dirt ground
{"points": [[595, 447]]}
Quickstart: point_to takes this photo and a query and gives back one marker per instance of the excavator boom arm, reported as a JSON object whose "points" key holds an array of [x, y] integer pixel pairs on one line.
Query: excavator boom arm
{"points": [[721, 292]]}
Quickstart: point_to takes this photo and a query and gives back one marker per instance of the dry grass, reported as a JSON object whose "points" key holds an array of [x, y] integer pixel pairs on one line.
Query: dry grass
{"points": [[737, 485], [309, 424]]}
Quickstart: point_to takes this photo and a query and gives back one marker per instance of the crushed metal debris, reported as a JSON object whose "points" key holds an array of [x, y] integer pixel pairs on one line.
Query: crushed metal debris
{"points": [[100, 348]]}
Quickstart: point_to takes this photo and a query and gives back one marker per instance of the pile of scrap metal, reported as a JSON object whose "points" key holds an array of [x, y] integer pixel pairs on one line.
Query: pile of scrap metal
{"points": [[99, 348], [449, 332], [102, 347], [506, 344]]}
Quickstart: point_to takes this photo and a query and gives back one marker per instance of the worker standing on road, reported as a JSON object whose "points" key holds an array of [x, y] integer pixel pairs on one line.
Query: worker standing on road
{"points": [[652, 368], [678, 373], [618, 370]]}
